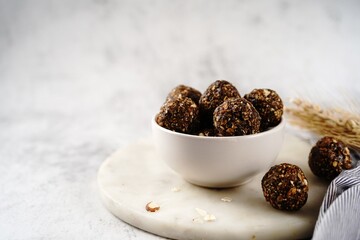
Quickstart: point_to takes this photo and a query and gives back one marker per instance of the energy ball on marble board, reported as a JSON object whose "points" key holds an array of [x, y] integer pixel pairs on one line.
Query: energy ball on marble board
{"points": [[179, 115], [236, 117], [214, 95], [329, 157], [183, 91], [285, 187], [269, 105]]}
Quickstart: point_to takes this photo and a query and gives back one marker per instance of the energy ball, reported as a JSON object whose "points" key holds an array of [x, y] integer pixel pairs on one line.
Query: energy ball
{"points": [[236, 117], [269, 105], [183, 91], [215, 95], [329, 157], [285, 187], [179, 115]]}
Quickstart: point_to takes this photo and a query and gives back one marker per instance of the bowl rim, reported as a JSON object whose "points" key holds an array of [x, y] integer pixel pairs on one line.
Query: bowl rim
{"points": [[278, 127]]}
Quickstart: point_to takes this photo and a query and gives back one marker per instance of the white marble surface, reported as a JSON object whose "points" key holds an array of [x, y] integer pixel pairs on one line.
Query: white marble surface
{"points": [[79, 79], [135, 175]]}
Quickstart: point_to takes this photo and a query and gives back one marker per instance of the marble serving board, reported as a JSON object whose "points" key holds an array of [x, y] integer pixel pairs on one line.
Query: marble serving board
{"points": [[134, 176]]}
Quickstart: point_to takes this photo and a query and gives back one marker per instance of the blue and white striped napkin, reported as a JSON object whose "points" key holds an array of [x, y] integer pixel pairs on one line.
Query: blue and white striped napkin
{"points": [[339, 216]]}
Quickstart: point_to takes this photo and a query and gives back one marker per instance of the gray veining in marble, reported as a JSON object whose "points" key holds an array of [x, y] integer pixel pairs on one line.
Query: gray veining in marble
{"points": [[79, 79]]}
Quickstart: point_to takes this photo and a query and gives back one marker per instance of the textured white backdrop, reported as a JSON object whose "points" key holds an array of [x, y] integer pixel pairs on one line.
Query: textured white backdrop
{"points": [[78, 79]]}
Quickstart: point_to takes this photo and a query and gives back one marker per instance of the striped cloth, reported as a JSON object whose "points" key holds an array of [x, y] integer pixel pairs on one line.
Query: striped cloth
{"points": [[339, 216]]}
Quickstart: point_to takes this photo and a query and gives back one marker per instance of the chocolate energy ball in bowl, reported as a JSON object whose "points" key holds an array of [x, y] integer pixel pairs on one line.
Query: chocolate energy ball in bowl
{"points": [[269, 105], [236, 117], [214, 95], [179, 114], [183, 91], [218, 162]]}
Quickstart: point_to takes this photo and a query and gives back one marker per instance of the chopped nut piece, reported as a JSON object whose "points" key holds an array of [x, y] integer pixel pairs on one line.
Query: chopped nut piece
{"points": [[152, 207], [305, 182], [226, 199]]}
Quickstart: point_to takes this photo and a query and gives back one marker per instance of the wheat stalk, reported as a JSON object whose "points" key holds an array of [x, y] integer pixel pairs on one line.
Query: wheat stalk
{"points": [[333, 122]]}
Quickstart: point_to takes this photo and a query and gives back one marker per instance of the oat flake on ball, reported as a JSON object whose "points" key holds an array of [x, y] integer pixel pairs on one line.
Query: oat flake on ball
{"points": [[269, 105], [285, 187], [236, 117], [179, 115], [329, 157]]}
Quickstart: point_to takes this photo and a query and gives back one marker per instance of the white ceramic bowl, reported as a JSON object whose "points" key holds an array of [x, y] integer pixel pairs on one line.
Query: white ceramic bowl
{"points": [[218, 161]]}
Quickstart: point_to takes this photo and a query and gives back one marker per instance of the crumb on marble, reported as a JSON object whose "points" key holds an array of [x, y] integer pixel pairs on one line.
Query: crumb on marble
{"points": [[226, 199], [204, 216], [209, 218], [175, 189]]}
